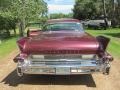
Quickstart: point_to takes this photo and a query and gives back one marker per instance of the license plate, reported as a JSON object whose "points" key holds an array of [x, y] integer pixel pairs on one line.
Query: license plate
{"points": [[62, 70]]}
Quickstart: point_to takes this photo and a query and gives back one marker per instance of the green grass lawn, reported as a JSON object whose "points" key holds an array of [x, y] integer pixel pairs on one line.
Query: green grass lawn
{"points": [[114, 35], [7, 47]]}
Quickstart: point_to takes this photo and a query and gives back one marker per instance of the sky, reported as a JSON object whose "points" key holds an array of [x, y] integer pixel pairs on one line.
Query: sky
{"points": [[60, 6]]}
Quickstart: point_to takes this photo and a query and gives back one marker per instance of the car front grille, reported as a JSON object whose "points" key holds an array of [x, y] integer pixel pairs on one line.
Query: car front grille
{"points": [[72, 59], [62, 56], [56, 62]]}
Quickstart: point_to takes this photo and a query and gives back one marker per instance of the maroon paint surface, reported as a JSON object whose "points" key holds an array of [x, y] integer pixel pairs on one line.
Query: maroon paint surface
{"points": [[59, 42]]}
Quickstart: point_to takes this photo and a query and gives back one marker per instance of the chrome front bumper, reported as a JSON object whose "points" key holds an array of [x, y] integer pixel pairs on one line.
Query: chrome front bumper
{"points": [[63, 67]]}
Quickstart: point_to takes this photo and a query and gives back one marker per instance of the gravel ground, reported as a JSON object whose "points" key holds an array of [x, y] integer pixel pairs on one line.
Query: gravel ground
{"points": [[10, 81]]}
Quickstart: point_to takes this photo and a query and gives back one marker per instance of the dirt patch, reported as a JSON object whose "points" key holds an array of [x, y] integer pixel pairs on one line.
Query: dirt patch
{"points": [[10, 80]]}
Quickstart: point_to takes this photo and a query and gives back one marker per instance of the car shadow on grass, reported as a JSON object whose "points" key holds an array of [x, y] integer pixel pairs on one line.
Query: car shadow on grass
{"points": [[13, 80]]}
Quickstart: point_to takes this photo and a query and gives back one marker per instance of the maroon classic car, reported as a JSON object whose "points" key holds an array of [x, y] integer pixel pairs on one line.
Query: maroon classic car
{"points": [[62, 48]]}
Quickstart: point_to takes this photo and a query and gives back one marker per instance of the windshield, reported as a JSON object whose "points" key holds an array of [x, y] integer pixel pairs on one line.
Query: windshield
{"points": [[64, 26]]}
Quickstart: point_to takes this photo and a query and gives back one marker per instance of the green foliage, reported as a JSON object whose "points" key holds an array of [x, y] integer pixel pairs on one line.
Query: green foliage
{"points": [[24, 11], [87, 9], [7, 23], [28, 9], [94, 9], [4, 4], [60, 15]]}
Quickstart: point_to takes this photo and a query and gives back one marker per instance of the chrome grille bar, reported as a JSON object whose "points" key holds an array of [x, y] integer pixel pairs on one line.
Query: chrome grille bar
{"points": [[57, 62], [63, 56]]}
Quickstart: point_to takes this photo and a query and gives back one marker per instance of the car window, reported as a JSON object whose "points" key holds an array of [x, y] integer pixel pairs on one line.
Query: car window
{"points": [[64, 26]]}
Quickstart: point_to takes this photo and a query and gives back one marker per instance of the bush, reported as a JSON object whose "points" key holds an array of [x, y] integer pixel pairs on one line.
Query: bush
{"points": [[7, 23]]}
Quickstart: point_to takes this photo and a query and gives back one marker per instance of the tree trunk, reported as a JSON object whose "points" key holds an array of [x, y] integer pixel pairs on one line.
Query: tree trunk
{"points": [[118, 12], [14, 31], [113, 21], [22, 20], [105, 15], [22, 27], [8, 33]]}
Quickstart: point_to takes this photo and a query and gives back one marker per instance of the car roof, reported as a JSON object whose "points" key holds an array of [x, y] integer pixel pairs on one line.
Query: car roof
{"points": [[62, 20]]}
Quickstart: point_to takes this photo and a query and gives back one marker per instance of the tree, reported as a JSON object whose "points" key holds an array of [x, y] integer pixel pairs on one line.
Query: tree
{"points": [[95, 9], [114, 12], [105, 14], [87, 9], [60, 15], [25, 11], [7, 23], [118, 11]]}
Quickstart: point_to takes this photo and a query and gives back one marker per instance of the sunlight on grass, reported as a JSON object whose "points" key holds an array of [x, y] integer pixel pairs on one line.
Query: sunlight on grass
{"points": [[7, 47]]}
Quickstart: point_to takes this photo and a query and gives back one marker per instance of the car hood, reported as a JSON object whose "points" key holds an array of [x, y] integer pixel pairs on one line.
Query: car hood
{"points": [[62, 41]]}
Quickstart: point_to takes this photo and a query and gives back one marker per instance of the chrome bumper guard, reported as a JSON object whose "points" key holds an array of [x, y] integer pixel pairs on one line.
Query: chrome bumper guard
{"points": [[61, 67]]}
